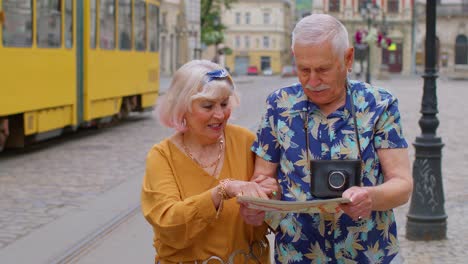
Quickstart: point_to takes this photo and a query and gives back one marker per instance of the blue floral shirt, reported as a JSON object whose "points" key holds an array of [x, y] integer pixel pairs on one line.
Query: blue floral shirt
{"points": [[326, 237]]}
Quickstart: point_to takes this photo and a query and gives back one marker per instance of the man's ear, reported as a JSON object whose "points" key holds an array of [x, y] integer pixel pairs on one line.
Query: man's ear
{"points": [[349, 57]]}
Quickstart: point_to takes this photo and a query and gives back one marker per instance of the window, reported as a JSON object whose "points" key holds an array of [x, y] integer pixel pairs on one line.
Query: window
{"points": [[125, 24], [140, 25], [334, 6], [68, 23], [49, 23], [237, 42], [265, 62], [361, 5], [247, 42], [164, 22], [393, 6], [107, 24], [17, 27], [153, 31], [247, 18], [92, 24], [238, 18], [461, 50], [266, 18], [266, 42]]}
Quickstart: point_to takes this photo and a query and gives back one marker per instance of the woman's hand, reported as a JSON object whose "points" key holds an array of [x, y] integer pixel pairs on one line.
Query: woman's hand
{"points": [[245, 188], [252, 216]]}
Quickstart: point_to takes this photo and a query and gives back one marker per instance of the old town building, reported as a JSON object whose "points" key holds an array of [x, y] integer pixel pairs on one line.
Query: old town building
{"points": [[180, 34], [258, 33], [451, 37], [389, 18]]}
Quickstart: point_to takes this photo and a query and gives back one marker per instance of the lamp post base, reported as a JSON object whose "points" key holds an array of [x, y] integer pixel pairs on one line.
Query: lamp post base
{"points": [[423, 230]]}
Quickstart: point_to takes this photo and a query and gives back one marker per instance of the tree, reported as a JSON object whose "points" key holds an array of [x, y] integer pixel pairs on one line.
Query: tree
{"points": [[212, 29]]}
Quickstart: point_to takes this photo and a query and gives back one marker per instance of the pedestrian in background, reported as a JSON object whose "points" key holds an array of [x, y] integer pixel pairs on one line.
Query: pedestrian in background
{"points": [[329, 117], [191, 176]]}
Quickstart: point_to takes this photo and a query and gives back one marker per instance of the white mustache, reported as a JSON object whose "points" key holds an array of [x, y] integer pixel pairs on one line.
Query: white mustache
{"points": [[319, 88]]}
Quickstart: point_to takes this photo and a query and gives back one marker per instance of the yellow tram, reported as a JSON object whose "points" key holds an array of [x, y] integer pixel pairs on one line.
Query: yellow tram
{"points": [[72, 63]]}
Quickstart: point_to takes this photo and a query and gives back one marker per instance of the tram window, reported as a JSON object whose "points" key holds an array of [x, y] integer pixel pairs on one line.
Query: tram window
{"points": [[92, 25], [107, 24], [140, 25], [49, 23], [125, 24], [68, 23], [153, 27], [17, 27]]}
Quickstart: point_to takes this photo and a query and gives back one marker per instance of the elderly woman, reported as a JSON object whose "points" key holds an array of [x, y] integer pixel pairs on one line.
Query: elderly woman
{"points": [[191, 176]]}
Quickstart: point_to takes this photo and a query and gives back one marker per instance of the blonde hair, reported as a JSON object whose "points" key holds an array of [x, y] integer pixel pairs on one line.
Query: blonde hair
{"points": [[189, 83]]}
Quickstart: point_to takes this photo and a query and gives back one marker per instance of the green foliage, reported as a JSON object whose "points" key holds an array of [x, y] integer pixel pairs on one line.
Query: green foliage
{"points": [[304, 5], [212, 29]]}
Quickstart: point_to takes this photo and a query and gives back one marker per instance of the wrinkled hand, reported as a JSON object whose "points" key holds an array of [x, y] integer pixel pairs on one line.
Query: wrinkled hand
{"points": [[360, 205], [252, 216], [269, 185], [245, 188], [255, 217]]}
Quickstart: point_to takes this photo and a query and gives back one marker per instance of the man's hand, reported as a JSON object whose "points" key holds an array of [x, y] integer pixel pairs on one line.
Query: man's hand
{"points": [[269, 185], [361, 203]]}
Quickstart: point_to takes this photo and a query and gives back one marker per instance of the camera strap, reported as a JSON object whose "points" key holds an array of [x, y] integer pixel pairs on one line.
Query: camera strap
{"points": [[353, 113]]}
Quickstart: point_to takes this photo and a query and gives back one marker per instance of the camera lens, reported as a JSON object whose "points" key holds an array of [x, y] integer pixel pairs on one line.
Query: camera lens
{"points": [[336, 180]]}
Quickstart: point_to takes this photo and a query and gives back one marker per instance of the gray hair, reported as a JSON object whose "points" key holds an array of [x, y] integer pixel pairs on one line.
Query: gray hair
{"points": [[190, 83], [317, 29]]}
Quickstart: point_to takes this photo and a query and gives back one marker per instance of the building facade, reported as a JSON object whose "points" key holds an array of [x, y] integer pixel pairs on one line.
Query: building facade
{"points": [[393, 18], [180, 34], [451, 37], [258, 32], [192, 29], [168, 37]]}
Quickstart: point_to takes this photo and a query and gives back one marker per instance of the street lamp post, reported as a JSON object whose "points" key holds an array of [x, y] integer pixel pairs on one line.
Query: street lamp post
{"points": [[369, 11], [426, 217]]}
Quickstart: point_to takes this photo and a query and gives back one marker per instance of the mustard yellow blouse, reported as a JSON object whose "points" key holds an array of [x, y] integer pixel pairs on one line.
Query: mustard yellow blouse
{"points": [[176, 201]]}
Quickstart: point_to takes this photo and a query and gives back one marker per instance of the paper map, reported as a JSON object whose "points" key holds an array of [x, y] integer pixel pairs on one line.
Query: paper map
{"points": [[315, 206]]}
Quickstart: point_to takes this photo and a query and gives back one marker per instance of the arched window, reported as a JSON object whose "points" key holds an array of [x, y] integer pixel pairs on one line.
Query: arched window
{"points": [[461, 50]]}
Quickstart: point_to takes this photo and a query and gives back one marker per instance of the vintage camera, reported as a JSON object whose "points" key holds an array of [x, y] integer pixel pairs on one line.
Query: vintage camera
{"points": [[330, 178]]}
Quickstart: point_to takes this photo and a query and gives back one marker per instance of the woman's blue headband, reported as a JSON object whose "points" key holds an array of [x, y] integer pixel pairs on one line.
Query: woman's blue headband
{"points": [[218, 74]]}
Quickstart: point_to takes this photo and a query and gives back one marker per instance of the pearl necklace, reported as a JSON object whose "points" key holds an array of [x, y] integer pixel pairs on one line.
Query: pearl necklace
{"points": [[204, 166]]}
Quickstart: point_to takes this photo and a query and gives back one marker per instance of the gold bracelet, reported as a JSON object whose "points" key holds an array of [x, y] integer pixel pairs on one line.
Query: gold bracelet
{"points": [[223, 194], [222, 189]]}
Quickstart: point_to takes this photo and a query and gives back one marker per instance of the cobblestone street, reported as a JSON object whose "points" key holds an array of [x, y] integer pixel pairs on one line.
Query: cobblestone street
{"points": [[46, 182]]}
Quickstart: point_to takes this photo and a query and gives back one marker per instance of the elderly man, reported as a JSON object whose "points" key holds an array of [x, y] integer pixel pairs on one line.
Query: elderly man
{"points": [[329, 117]]}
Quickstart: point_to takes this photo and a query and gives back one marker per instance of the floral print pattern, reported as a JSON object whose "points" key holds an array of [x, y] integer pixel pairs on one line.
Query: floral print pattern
{"points": [[330, 238]]}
